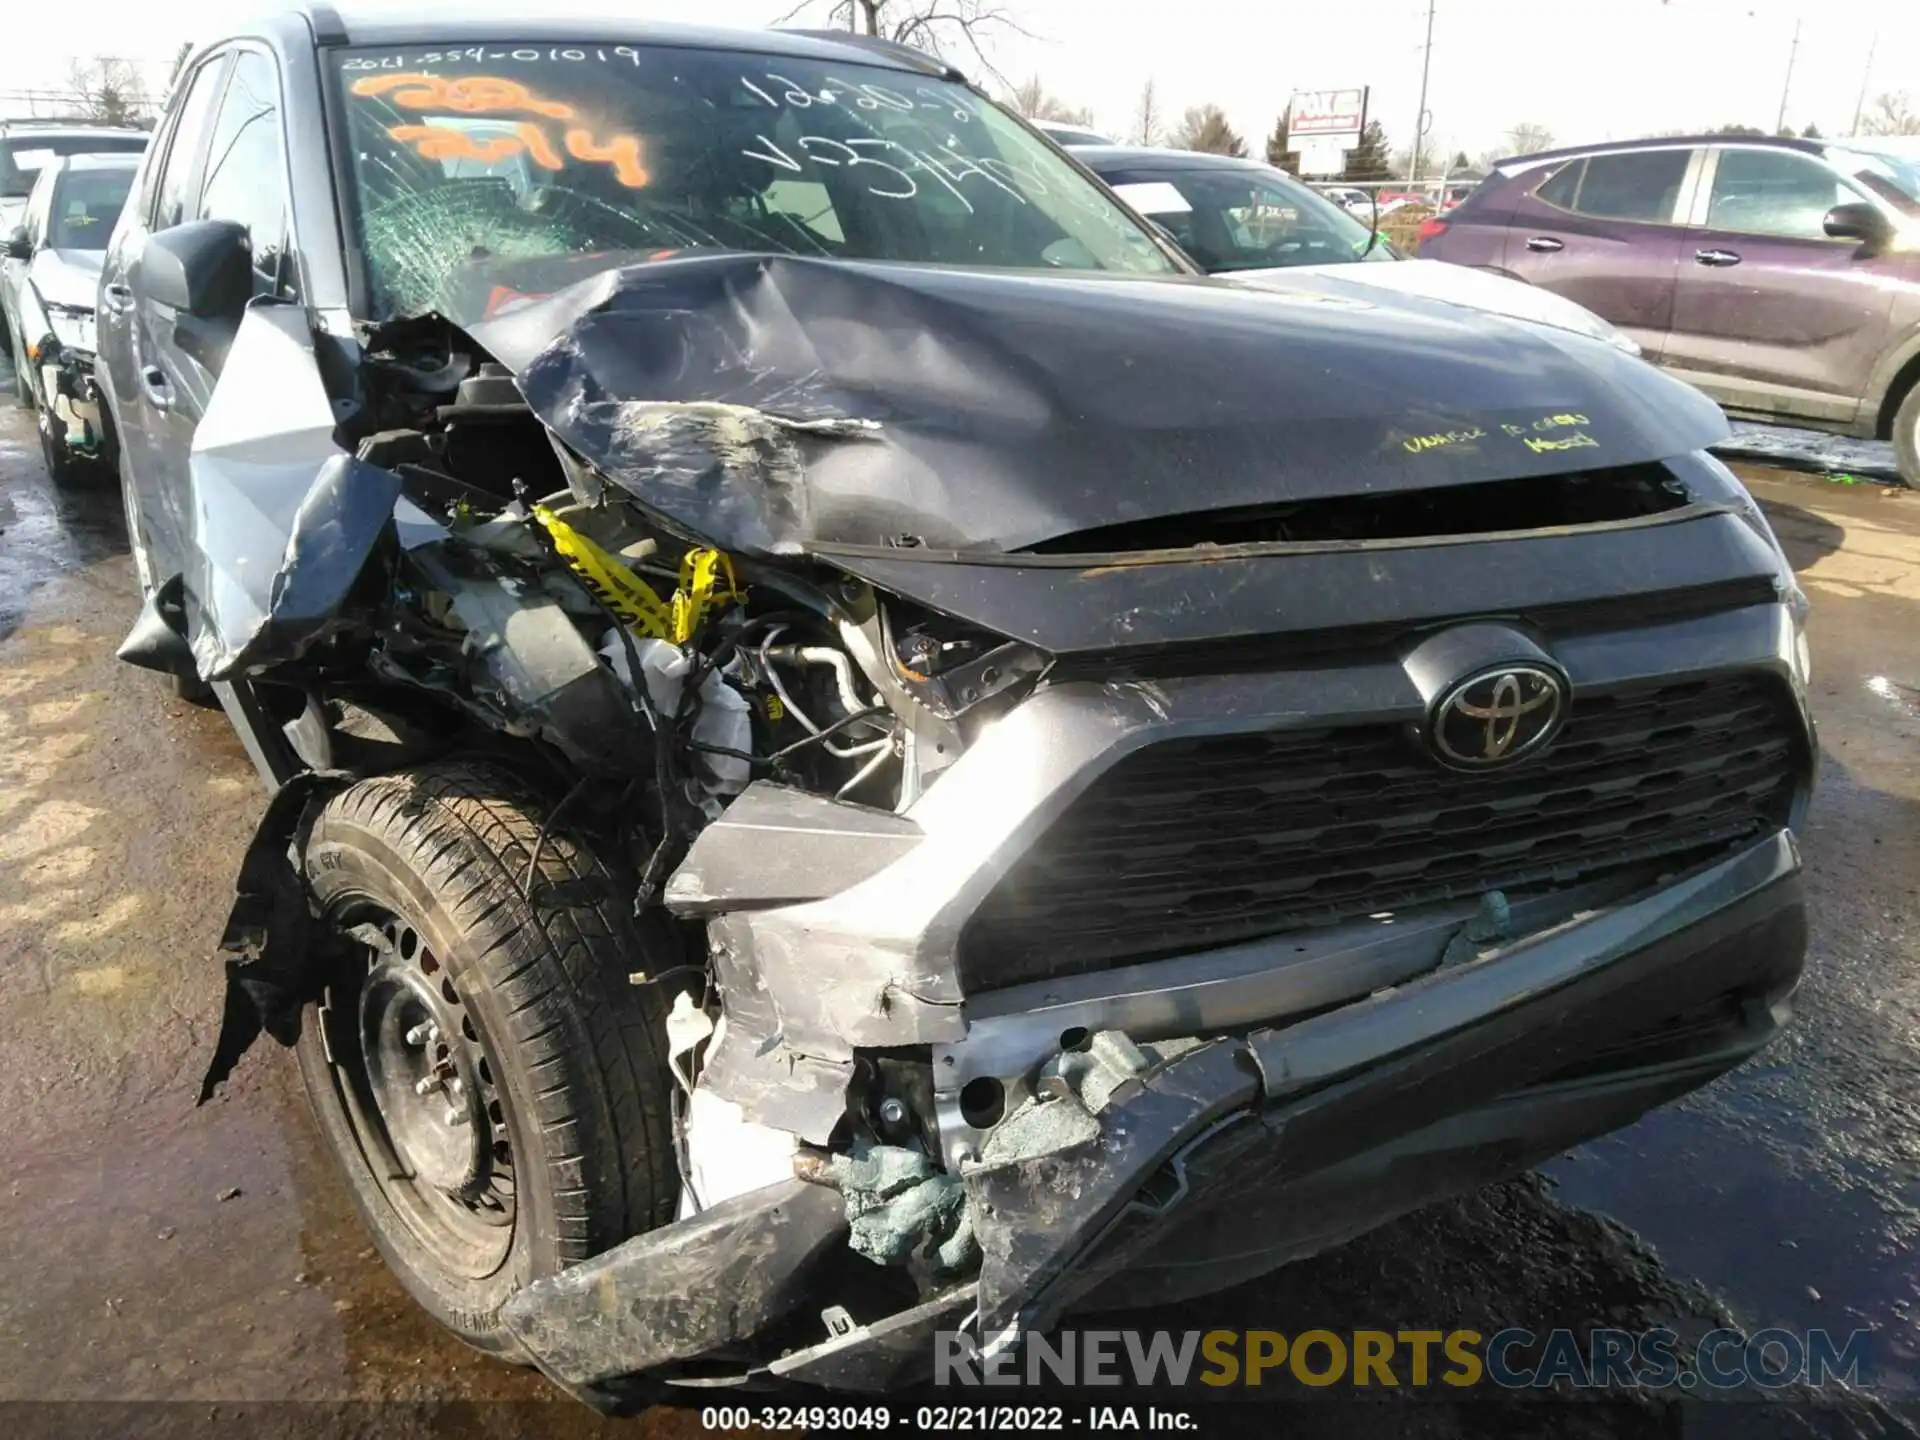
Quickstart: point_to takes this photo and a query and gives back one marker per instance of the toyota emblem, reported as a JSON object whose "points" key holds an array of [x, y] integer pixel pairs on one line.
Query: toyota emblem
{"points": [[1498, 716]]}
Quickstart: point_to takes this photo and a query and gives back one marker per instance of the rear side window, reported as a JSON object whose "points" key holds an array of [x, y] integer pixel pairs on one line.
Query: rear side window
{"points": [[1642, 185], [1564, 185], [183, 151]]}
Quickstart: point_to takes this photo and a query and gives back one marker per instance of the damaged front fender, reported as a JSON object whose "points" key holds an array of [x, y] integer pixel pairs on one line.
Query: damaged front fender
{"points": [[282, 520]]}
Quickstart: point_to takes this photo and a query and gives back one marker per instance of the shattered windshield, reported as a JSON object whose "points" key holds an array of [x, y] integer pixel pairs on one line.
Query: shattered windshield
{"points": [[487, 173]]}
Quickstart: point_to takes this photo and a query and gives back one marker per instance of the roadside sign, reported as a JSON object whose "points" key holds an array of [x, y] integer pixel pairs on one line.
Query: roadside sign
{"points": [[1322, 157], [1323, 113]]}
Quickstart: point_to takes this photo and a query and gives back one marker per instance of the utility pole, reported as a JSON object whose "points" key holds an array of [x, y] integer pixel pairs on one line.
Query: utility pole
{"points": [[1420, 120], [1787, 87], [1866, 75]]}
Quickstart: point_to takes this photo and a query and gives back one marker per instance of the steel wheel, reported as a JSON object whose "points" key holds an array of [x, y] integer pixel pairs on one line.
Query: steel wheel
{"points": [[409, 1061], [488, 1081]]}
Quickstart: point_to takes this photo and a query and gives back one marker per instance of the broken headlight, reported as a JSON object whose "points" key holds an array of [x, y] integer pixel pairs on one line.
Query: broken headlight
{"points": [[950, 667]]}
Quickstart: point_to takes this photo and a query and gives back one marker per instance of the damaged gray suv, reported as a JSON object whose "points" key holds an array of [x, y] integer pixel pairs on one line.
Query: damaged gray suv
{"points": [[856, 750]]}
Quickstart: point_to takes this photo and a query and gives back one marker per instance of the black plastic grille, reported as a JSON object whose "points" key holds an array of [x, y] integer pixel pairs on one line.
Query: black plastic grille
{"points": [[1193, 844]]}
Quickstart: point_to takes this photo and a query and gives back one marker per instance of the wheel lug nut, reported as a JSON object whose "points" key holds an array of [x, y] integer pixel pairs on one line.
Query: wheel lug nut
{"points": [[426, 1085], [456, 1116], [453, 1086], [419, 1035]]}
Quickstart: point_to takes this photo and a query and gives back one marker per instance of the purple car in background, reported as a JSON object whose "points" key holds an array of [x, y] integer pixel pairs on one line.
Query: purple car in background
{"points": [[1781, 277]]}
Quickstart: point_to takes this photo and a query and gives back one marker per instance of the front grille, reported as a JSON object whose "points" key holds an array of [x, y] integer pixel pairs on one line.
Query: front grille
{"points": [[1192, 844]]}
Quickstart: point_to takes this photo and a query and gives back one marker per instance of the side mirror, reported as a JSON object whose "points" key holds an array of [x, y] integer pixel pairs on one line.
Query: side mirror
{"points": [[18, 246], [1857, 220], [203, 268]]}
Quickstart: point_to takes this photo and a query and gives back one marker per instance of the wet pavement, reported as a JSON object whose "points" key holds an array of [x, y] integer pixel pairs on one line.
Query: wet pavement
{"points": [[1850, 461], [151, 1252]]}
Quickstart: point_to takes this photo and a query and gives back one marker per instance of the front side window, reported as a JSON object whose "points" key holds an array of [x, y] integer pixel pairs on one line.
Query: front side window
{"points": [[1247, 219], [246, 179], [1638, 185], [85, 205], [500, 167], [183, 150], [1774, 192]]}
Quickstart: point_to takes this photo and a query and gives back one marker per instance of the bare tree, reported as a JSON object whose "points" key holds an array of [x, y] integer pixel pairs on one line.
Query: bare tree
{"points": [[1205, 127], [1892, 114], [944, 27], [108, 88], [1031, 99], [1527, 138], [1149, 126]]}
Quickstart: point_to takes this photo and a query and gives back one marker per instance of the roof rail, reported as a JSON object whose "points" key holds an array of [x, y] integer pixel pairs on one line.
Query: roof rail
{"points": [[893, 49]]}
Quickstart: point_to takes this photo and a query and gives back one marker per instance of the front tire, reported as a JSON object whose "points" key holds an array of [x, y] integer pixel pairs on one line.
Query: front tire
{"points": [[1906, 436], [488, 1080]]}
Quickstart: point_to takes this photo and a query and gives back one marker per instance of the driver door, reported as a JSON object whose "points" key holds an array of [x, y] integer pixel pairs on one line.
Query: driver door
{"points": [[133, 336], [243, 179]]}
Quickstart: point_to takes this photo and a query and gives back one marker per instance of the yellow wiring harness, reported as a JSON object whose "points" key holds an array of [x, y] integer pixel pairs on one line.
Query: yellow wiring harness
{"points": [[706, 580]]}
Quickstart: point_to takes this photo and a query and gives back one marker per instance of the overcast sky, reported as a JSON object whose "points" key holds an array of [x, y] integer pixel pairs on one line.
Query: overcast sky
{"points": [[1585, 69]]}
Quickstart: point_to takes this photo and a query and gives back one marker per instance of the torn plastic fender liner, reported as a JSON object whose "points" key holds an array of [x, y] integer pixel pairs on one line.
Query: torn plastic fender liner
{"points": [[283, 519], [274, 947], [682, 1291]]}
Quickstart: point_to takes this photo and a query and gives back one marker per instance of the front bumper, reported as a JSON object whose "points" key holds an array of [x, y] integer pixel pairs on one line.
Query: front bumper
{"points": [[1246, 1152], [69, 397], [836, 929]]}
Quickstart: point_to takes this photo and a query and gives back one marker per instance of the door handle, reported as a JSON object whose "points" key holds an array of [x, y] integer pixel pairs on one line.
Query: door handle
{"points": [[1715, 257], [1545, 244], [154, 382], [118, 297]]}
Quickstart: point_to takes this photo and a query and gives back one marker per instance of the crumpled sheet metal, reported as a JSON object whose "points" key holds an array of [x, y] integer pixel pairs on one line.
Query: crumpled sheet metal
{"points": [[282, 520], [774, 404]]}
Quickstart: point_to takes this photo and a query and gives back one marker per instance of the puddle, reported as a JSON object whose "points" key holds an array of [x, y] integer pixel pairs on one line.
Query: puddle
{"points": [[1904, 698], [1836, 456]]}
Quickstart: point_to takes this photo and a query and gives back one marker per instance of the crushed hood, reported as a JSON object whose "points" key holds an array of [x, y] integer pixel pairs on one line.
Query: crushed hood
{"points": [[67, 277], [778, 405]]}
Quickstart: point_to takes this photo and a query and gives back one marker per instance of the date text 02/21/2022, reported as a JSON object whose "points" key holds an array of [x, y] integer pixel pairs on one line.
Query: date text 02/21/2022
{"points": [[944, 1419]]}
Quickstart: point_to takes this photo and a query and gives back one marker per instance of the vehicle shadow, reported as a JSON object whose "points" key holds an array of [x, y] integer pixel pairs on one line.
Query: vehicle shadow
{"points": [[1806, 537]]}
